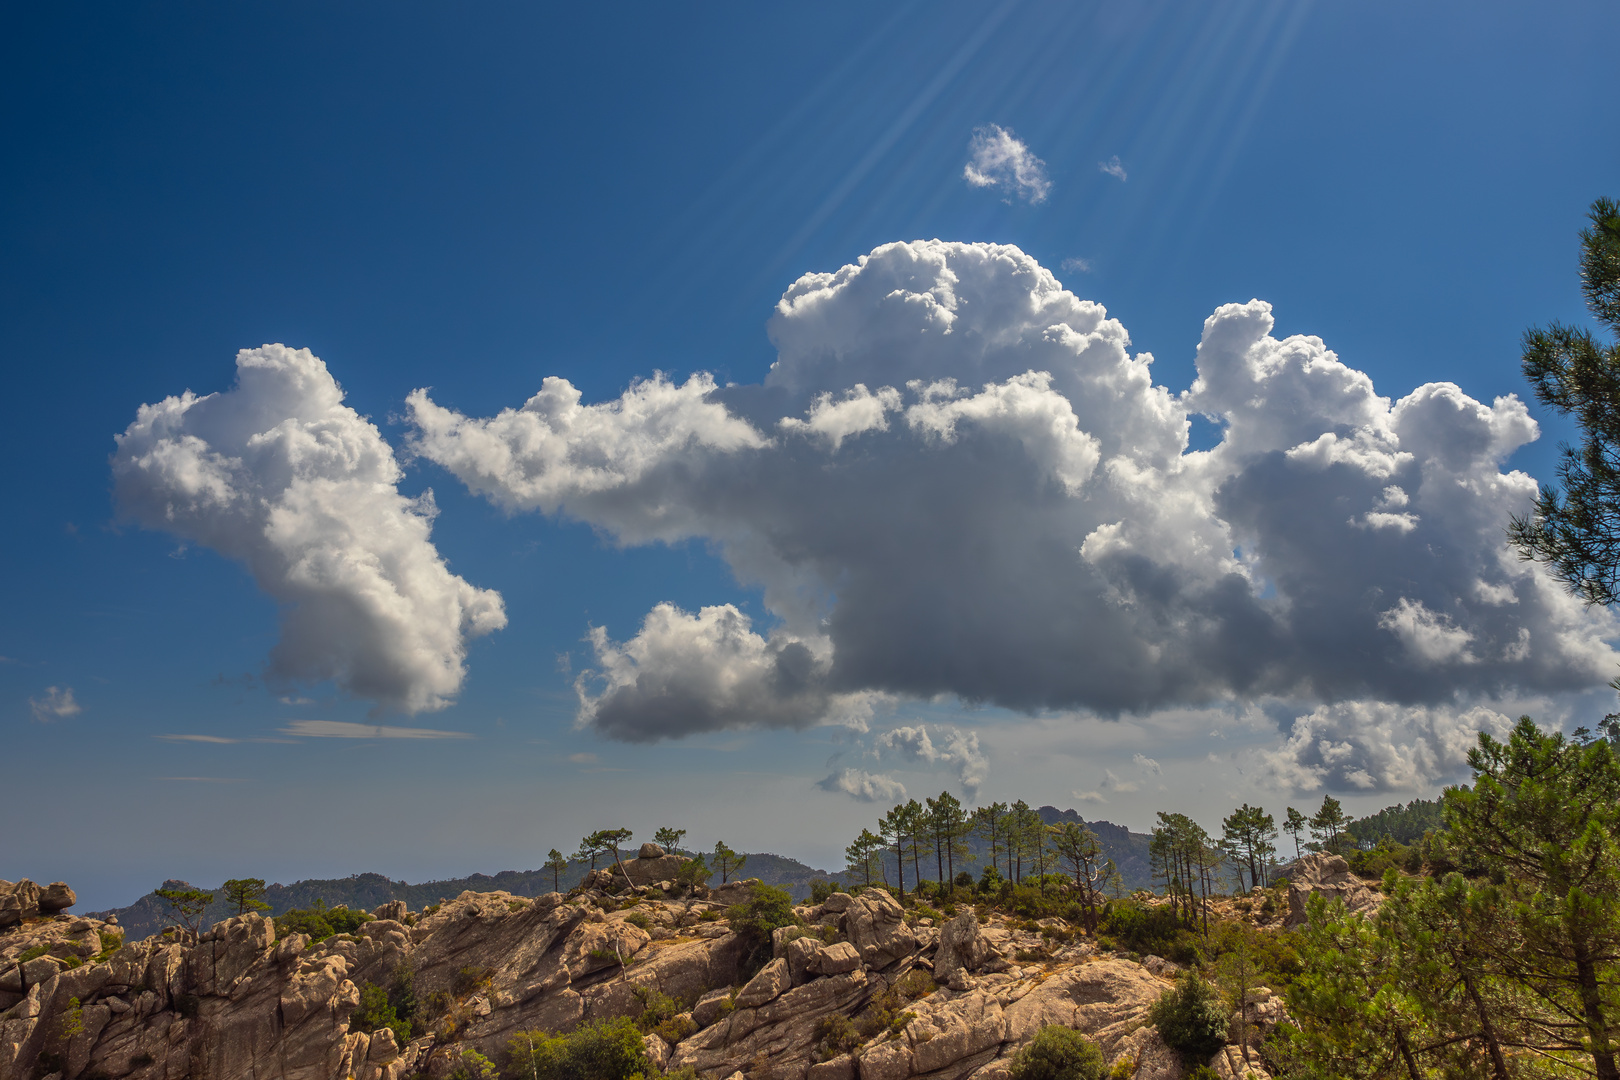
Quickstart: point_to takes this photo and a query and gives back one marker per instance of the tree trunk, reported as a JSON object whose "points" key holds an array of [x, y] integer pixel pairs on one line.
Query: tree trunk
{"points": [[900, 865], [1406, 1055], [1597, 1028], [1486, 1028]]}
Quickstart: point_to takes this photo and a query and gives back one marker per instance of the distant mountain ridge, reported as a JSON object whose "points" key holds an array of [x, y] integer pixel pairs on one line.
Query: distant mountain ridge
{"points": [[149, 915]]}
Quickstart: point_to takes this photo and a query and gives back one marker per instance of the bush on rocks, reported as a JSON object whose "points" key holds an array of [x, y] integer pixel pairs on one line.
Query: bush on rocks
{"points": [[1190, 1018], [605, 1050], [756, 919], [1059, 1053]]}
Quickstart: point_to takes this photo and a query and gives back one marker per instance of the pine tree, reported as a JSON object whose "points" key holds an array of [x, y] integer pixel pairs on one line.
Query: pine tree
{"points": [[245, 894], [556, 863], [1577, 536], [1543, 814], [1078, 846], [726, 861], [1294, 825], [669, 839], [895, 827], [1328, 822], [990, 821], [189, 905], [860, 856]]}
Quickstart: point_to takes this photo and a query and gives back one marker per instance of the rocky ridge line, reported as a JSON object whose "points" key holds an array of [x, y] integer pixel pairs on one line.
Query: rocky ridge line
{"points": [[236, 1003]]}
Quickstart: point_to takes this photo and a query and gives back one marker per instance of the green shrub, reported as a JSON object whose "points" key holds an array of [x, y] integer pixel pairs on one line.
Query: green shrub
{"points": [[820, 890], [469, 979], [33, 954], [605, 1050], [1059, 1053], [110, 943], [712, 915], [656, 1008], [1124, 1069], [836, 1034], [1202, 1072], [756, 919], [1190, 1018], [319, 921], [678, 1027], [1147, 930], [473, 1066], [638, 918], [377, 1012]]}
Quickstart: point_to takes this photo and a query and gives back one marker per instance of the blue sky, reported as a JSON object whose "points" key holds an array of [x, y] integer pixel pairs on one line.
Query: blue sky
{"points": [[471, 202]]}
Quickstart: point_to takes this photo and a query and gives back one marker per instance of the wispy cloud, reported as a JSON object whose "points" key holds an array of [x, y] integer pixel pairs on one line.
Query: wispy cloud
{"points": [[1147, 763], [1076, 263], [57, 704], [290, 700], [583, 759], [218, 739], [1089, 796], [1002, 161], [342, 729], [1113, 168]]}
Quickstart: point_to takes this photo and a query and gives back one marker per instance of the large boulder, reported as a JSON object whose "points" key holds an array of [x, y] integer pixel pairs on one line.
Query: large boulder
{"points": [[874, 922], [962, 950], [1329, 875], [56, 897], [650, 869], [18, 901], [773, 980]]}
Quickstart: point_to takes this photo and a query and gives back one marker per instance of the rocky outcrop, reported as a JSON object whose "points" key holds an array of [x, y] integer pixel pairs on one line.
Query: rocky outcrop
{"points": [[23, 900], [1330, 876], [238, 1003]]}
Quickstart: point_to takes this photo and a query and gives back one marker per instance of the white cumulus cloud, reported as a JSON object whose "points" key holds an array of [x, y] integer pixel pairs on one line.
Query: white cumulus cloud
{"points": [[1113, 168], [1014, 517], [1378, 746], [865, 786], [1002, 161], [278, 473], [957, 750], [57, 703], [685, 673]]}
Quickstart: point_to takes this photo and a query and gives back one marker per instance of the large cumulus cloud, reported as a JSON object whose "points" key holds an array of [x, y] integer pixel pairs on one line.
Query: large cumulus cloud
{"points": [[957, 479], [278, 473]]}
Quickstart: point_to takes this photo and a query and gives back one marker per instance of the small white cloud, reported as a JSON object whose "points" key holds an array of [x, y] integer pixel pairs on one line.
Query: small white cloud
{"points": [[1089, 796], [959, 750], [1111, 782], [1147, 763], [1429, 635], [57, 704], [1076, 263], [342, 729], [583, 759], [290, 700], [1002, 161], [1112, 167], [864, 786], [213, 739]]}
